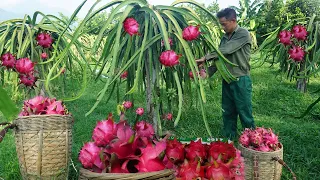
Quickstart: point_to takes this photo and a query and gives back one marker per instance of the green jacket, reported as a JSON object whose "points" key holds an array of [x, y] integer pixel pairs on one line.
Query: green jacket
{"points": [[237, 50]]}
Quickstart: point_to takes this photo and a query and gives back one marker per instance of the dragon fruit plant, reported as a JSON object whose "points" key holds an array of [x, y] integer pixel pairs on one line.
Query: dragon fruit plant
{"points": [[119, 148], [260, 139], [40, 105], [217, 160]]}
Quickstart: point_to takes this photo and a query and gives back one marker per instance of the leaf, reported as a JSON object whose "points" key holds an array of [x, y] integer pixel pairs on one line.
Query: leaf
{"points": [[7, 106]]}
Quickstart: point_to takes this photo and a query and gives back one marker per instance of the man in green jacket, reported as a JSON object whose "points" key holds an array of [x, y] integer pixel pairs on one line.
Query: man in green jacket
{"points": [[235, 45]]}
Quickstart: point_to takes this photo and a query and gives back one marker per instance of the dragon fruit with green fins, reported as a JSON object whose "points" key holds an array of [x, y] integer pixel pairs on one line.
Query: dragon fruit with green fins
{"points": [[169, 58], [8, 60], [191, 33], [24, 66], [44, 40]]}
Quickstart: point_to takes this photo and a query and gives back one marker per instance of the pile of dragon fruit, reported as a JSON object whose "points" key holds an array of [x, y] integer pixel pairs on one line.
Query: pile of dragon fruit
{"points": [[197, 160], [260, 139], [292, 38], [119, 148], [40, 105], [24, 66]]}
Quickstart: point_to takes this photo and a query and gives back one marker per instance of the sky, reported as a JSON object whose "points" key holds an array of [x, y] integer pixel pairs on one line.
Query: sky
{"points": [[68, 6]]}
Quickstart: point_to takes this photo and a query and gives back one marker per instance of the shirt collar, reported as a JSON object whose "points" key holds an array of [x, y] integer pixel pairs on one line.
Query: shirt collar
{"points": [[226, 36]]}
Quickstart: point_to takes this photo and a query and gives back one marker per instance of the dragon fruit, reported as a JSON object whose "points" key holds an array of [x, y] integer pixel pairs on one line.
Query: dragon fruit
{"points": [[8, 60], [296, 53], [92, 157], [28, 79], [124, 75], [149, 160], [285, 37], [191, 75], [191, 33], [44, 55], [24, 66], [140, 111], [144, 129], [217, 171], [127, 104], [131, 26], [260, 139], [191, 170], [169, 116], [221, 152], [56, 107], [299, 32], [169, 58], [44, 40], [196, 151], [175, 151], [40, 105], [104, 132]]}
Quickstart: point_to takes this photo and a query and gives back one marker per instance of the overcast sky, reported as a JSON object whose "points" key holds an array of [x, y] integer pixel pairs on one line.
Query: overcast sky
{"points": [[68, 6]]}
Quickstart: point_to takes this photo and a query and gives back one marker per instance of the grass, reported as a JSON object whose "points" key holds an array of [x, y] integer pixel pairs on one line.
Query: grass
{"points": [[276, 103]]}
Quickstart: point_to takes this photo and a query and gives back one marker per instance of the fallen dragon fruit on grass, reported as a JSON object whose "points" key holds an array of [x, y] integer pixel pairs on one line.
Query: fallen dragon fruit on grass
{"points": [[260, 139], [41, 105], [197, 160]]}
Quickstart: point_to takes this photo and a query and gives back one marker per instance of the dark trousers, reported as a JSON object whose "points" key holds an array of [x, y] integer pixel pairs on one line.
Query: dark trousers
{"points": [[236, 101]]}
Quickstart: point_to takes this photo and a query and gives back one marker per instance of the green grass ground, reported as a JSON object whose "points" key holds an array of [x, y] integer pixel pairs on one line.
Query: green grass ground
{"points": [[276, 103]]}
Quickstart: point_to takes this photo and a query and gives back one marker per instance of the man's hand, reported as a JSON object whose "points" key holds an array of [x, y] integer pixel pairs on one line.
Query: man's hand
{"points": [[200, 61]]}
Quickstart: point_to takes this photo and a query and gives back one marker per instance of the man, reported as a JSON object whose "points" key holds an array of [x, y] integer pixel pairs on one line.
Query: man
{"points": [[235, 45]]}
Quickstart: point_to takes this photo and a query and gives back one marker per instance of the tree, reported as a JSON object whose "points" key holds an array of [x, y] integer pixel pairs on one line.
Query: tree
{"points": [[138, 55], [269, 18]]}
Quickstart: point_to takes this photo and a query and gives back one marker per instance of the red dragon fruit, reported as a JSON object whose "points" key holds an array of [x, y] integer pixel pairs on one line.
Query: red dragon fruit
{"points": [[191, 170], [8, 60], [44, 40], [125, 143], [169, 116], [196, 151], [203, 73], [56, 107], [244, 139], [28, 79], [44, 55], [271, 140], [140, 111], [217, 171], [285, 37], [144, 129], [221, 151], [169, 58], [92, 157], [124, 75], [127, 104], [191, 33], [191, 75], [299, 32], [36, 105], [149, 160], [256, 138], [175, 151], [104, 132], [131, 26], [24, 66], [296, 53]]}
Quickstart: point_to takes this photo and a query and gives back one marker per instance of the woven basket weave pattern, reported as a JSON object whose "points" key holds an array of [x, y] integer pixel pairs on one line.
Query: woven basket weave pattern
{"points": [[43, 145], [262, 164], [160, 175]]}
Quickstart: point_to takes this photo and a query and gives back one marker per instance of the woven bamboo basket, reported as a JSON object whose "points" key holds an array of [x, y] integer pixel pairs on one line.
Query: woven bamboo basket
{"points": [[263, 165], [166, 174], [43, 144]]}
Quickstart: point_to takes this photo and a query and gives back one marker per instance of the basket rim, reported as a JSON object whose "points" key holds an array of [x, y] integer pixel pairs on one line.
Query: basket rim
{"points": [[44, 115], [252, 150], [88, 171]]}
